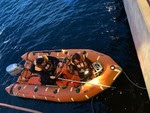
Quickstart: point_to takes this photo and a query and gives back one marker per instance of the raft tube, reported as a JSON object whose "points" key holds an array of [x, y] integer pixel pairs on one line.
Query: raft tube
{"points": [[103, 78]]}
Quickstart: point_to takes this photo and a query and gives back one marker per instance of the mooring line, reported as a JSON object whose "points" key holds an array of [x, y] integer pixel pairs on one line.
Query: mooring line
{"points": [[140, 87]]}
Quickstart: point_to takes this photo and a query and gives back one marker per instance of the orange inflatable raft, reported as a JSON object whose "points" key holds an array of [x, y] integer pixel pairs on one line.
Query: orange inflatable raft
{"points": [[105, 71]]}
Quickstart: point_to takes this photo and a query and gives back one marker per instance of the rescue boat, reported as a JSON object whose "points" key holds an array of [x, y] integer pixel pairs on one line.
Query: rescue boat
{"points": [[106, 70]]}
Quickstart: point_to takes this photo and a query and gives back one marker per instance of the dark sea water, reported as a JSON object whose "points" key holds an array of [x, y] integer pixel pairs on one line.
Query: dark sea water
{"points": [[101, 25]]}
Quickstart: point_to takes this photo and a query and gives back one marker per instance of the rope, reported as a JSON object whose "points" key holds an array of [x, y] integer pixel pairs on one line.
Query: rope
{"points": [[93, 111], [85, 82], [133, 82], [20, 61], [19, 108]]}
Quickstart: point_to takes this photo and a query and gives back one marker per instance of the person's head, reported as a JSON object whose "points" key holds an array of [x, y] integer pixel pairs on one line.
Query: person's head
{"points": [[76, 58], [40, 61]]}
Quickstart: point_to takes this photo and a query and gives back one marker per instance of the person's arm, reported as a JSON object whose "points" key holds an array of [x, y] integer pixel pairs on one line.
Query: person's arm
{"points": [[53, 59], [71, 69], [32, 69], [52, 77], [88, 61]]}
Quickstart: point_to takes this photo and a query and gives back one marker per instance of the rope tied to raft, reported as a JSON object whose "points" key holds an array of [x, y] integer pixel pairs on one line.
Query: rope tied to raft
{"points": [[82, 82], [140, 87]]}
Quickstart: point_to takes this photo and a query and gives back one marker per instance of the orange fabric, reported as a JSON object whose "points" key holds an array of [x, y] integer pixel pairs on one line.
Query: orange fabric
{"points": [[67, 75], [26, 74], [20, 81], [61, 83], [35, 80]]}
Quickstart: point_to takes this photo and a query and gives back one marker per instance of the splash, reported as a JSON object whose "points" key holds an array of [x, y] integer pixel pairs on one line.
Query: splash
{"points": [[6, 41]]}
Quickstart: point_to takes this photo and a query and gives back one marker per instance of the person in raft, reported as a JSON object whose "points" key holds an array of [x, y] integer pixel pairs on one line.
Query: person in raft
{"points": [[45, 66], [80, 63]]}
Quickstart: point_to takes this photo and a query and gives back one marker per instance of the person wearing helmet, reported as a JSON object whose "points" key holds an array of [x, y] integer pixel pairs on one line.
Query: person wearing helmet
{"points": [[45, 66], [80, 63]]}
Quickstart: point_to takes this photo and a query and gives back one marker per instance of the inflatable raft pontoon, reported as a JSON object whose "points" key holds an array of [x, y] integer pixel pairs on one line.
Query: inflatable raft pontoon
{"points": [[106, 70]]}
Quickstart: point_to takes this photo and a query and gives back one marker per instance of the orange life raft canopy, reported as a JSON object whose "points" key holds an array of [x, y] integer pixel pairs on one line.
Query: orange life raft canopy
{"points": [[28, 85]]}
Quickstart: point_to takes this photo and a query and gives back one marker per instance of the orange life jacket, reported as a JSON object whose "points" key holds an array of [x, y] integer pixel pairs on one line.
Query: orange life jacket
{"points": [[82, 65], [67, 75]]}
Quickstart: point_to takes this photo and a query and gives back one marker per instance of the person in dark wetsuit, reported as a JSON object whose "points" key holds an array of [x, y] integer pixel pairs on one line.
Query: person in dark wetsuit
{"points": [[45, 66], [82, 65]]}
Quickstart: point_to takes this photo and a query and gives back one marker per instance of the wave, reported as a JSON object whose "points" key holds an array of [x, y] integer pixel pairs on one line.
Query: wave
{"points": [[2, 28]]}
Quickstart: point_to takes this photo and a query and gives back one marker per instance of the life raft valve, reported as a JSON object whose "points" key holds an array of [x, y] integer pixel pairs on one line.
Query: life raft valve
{"points": [[112, 67]]}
